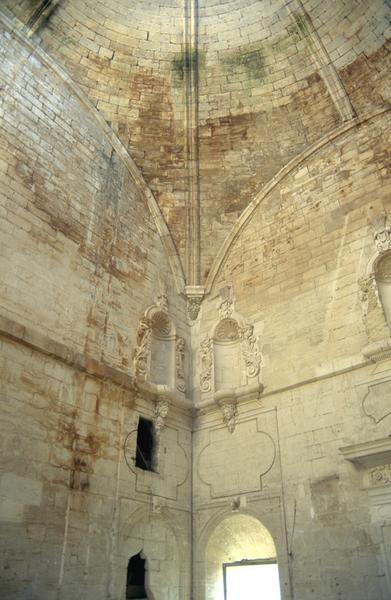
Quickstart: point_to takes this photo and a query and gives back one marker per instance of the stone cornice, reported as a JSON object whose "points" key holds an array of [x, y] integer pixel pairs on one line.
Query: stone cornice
{"points": [[99, 369], [369, 454]]}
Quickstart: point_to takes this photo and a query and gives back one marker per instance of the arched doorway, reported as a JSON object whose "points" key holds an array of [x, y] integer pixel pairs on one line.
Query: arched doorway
{"points": [[152, 537], [135, 580], [241, 561]]}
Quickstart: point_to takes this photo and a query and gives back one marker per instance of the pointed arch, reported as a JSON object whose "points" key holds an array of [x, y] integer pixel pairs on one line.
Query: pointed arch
{"points": [[275, 181]]}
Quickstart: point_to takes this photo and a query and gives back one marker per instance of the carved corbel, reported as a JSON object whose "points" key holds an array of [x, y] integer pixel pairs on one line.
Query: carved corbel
{"points": [[194, 295], [227, 401], [193, 306], [161, 411], [230, 414]]}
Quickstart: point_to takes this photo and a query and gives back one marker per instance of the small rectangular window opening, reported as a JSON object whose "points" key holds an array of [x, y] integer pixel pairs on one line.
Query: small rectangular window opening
{"points": [[251, 579], [146, 446]]}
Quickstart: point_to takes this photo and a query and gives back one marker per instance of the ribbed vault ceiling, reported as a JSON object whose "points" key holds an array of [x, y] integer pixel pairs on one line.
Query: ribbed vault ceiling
{"points": [[213, 98]]}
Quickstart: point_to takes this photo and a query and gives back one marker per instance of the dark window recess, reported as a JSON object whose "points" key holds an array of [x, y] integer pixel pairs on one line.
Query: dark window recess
{"points": [[135, 581], [145, 451]]}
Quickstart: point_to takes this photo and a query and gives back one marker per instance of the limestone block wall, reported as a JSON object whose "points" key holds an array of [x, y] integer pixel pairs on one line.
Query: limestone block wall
{"points": [[294, 266], [274, 78], [269, 80], [283, 466], [81, 260], [73, 507], [295, 261], [85, 254], [128, 58]]}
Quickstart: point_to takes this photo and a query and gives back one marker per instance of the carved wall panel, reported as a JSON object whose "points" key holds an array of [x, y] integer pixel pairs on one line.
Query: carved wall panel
{"points": [[375, 399], [243, 466], [172, 464]]}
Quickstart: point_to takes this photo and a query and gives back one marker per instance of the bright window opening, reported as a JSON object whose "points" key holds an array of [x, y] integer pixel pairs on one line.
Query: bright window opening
{"points": [[252, 580]]}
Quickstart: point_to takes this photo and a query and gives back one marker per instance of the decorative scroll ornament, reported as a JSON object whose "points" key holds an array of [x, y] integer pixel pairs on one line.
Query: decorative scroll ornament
{"points": [[250, 351], [381, 475], [180, 364], [206, 355], [382, 232], [226, 309], [142, 353], [368, 294], [161, 411], [230, 415]]}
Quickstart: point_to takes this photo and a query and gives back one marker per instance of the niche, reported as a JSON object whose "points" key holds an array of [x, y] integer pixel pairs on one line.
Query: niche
{"points": [[375, 292], [135, 581], [162, 350], [383, 281], [227, 355], [159, 357], [230, 357]]}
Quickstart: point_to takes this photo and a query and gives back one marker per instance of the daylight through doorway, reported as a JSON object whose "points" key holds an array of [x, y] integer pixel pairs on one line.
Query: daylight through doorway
{"points": [[252, 580]]}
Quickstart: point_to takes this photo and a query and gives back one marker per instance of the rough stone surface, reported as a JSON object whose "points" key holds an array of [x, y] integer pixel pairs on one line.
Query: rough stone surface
{"points": [[271, 407]]}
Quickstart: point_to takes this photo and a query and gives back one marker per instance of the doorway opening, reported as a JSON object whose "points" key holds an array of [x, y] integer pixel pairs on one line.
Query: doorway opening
{"points": [[251, 579], [135, 581]]}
